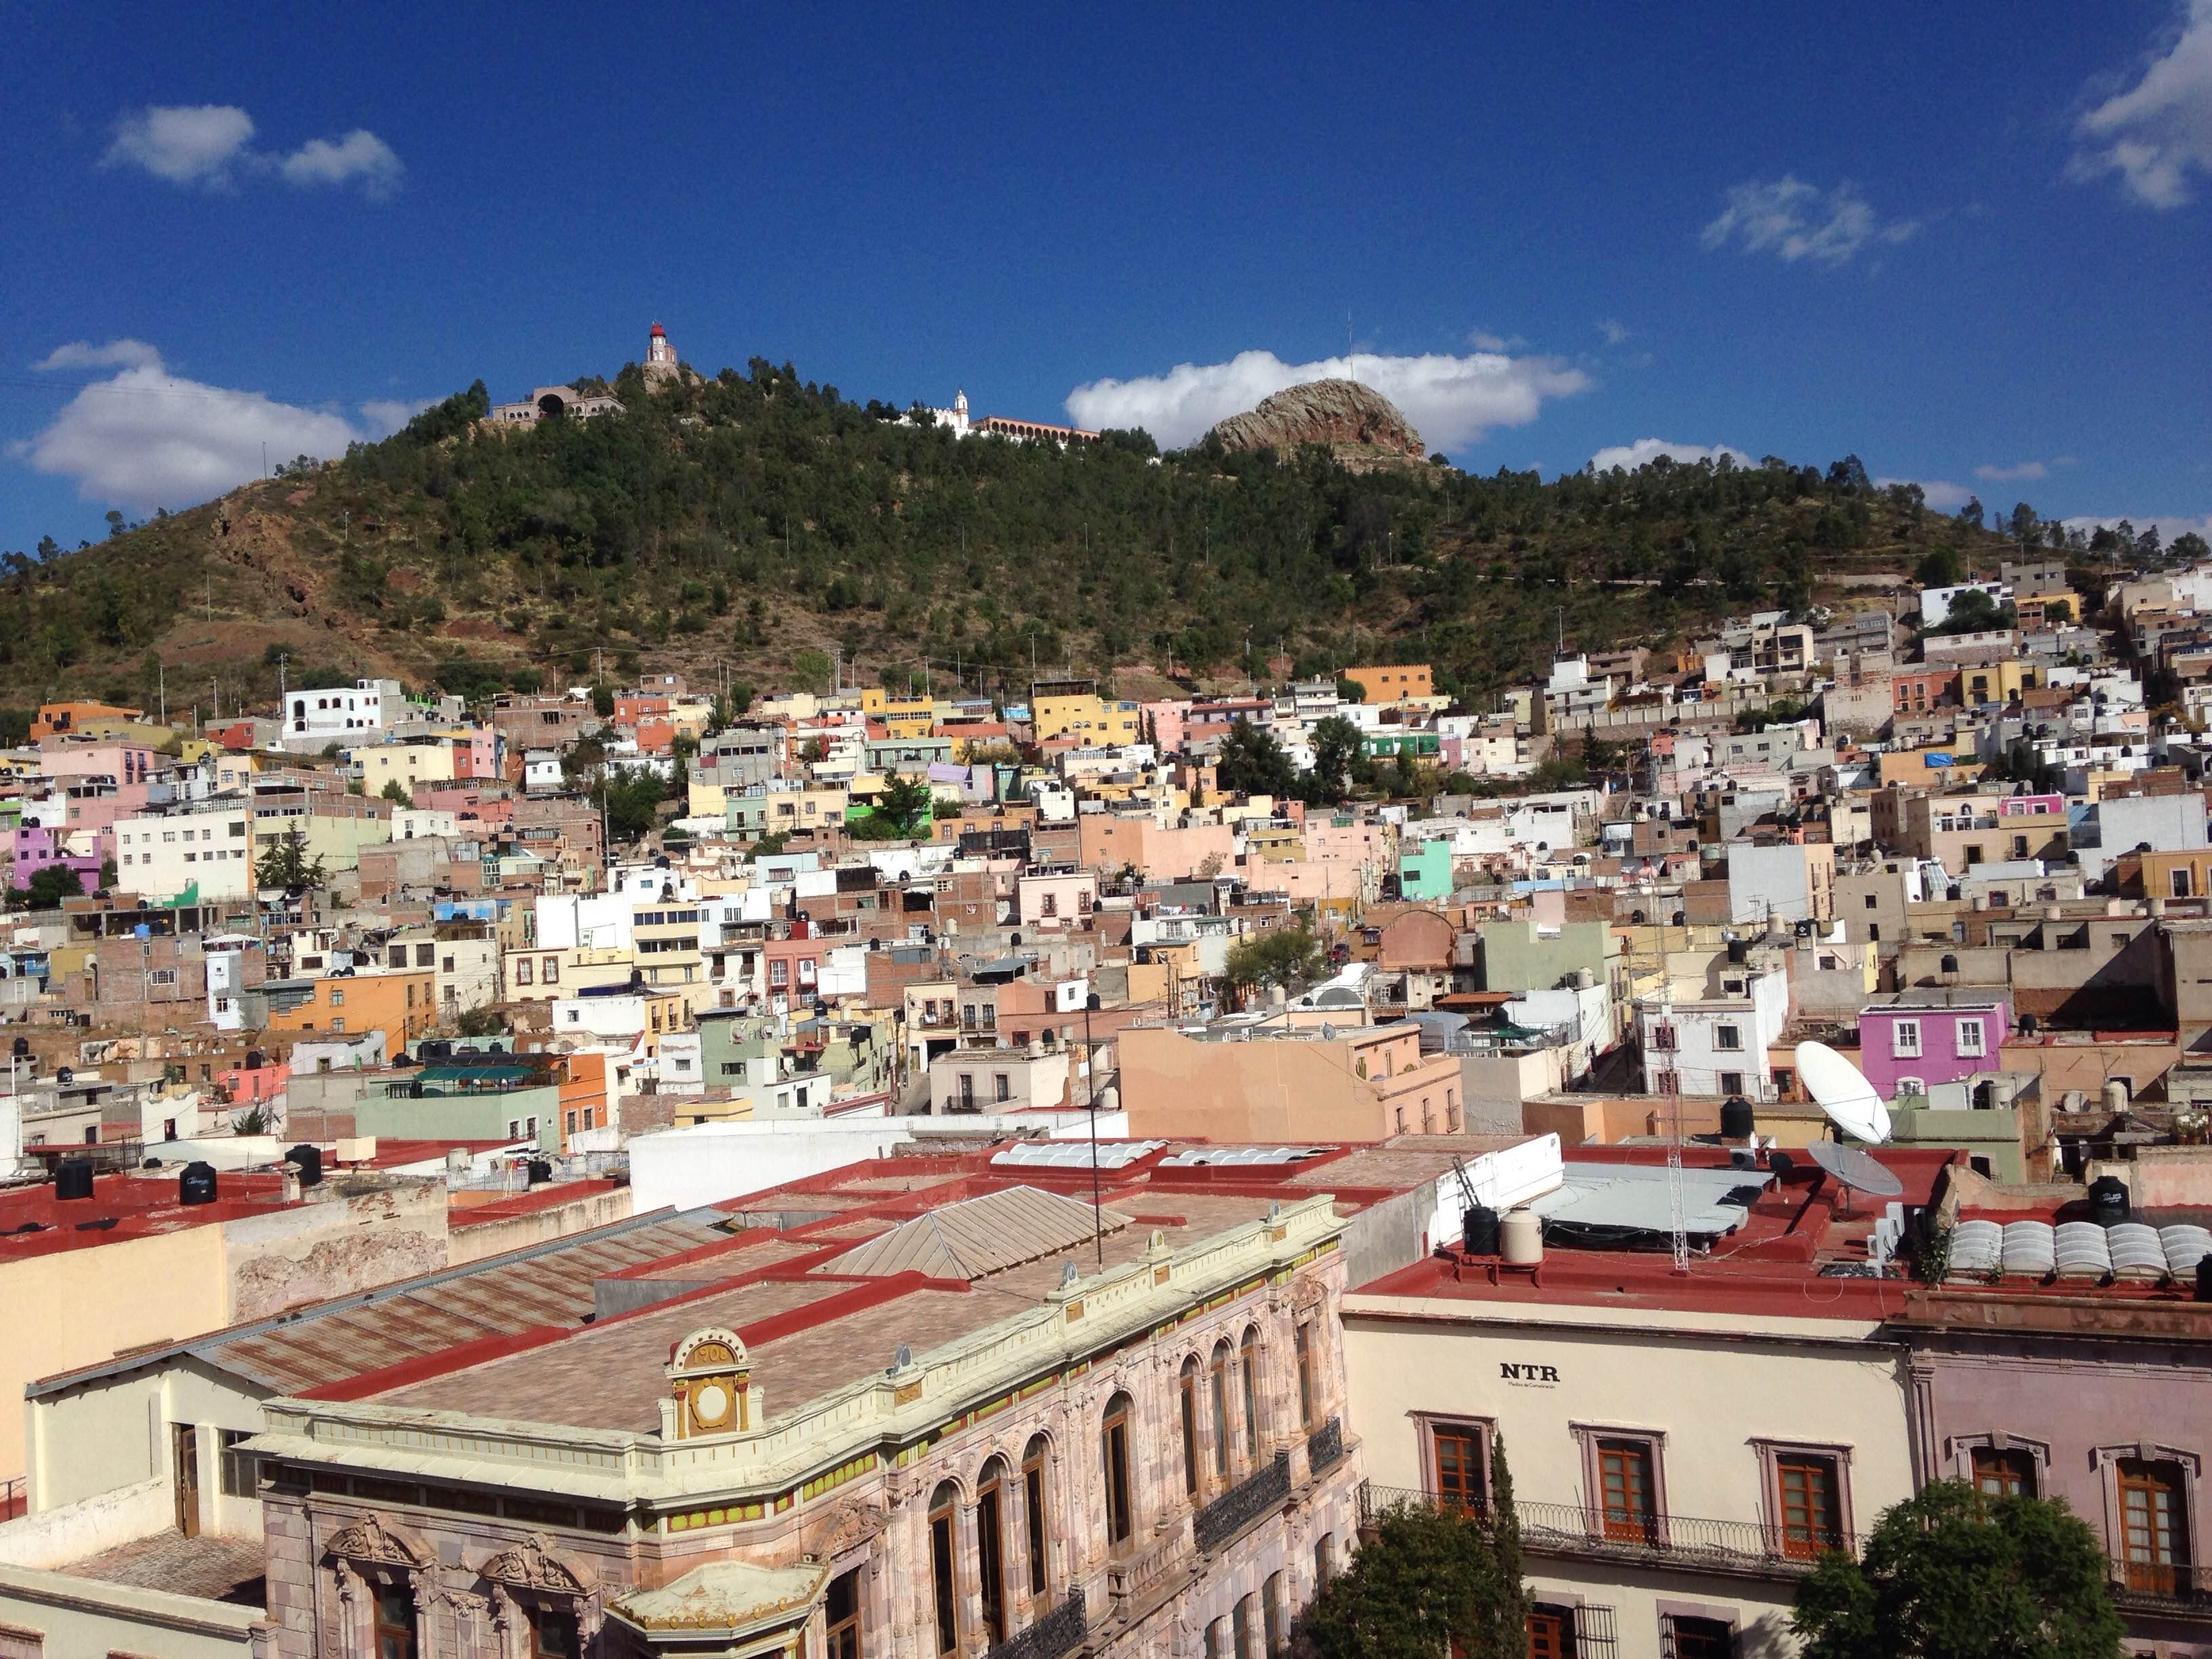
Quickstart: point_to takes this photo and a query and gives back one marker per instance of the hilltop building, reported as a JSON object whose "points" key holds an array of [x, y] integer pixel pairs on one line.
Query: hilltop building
{"points": [[956, 420]]}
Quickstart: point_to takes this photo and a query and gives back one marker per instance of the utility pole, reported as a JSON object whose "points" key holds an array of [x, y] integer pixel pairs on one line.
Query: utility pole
{"points": [[162, 679], [283, 689]]}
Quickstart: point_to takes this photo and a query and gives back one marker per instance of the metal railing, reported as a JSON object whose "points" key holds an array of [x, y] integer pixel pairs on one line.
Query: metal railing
{"points": [[1242, 1504], [1054, 1634], [15, 1496], [1593, 1532], [2183, 1587], [1325, 1445]]}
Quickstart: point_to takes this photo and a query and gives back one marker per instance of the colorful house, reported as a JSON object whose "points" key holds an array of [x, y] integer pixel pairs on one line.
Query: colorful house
{"points": [[1911, 1040]]}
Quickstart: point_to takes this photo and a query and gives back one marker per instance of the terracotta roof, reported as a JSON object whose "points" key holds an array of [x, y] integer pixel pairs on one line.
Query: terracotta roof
{"points": [[979, 1236]]}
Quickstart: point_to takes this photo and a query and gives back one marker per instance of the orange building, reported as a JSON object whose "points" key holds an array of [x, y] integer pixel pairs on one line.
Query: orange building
{"points": [[1396, 683], [55, 718], [583, 1080], [403, 1006]]}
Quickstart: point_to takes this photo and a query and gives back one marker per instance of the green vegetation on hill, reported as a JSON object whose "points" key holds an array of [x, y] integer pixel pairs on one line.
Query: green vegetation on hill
{"points": [[768, 523]]}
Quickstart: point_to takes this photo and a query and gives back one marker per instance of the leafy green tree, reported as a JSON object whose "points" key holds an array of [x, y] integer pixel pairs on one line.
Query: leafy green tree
{"points": [[396, 792], [906, 802], [1973, 613], [1349, 690], [811, 671], [1252, 763], [603, 700], [1336, 747], [2189, 547], [1281, 956], [48, 887], [1951, 1574], [485, 1022], [1427, 1582], [1939, 568], [286, 865], [14, 728], [631, 796]]}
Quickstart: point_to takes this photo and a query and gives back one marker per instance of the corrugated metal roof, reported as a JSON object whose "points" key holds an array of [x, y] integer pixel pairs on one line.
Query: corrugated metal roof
{"points": [[979, 1236], [1635, 1196]]}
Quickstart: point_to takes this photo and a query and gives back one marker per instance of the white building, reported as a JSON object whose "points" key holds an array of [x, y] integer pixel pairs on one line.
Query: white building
{"points": [[343, 715], [1715, 1045], [208, 852]]}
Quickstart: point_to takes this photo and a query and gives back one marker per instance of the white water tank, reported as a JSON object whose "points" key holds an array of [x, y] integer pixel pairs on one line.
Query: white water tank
{"points": [[1520, 1238]]}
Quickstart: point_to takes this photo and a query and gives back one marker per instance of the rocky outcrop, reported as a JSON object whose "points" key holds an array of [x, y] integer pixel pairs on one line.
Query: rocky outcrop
{"points": [[1360, 426]]}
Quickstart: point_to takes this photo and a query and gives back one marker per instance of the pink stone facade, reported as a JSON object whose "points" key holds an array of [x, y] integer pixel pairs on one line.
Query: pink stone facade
{"points": [[1274, 1503]]}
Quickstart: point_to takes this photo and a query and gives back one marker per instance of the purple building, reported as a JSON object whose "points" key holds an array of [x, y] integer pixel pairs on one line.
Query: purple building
{"points": [[1911, 1040], [2098, 1394], [33, 849]]}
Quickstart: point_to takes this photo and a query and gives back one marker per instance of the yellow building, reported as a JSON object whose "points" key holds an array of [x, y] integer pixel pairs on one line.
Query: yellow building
{"points": [[406, 764], [906, 717], [1995, 683], [1073, 709]]}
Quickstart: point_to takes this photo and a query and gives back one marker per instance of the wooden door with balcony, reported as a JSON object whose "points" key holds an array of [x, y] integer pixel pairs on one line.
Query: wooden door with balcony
{"points": [[1627, 1492], [2153, 1525]]}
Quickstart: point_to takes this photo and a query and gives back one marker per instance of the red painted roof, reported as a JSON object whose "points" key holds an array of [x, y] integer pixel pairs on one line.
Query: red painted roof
{"points": [[548, 1196]]}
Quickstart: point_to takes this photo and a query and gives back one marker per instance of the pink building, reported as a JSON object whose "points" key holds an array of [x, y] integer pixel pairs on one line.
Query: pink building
{"points": [[1913, 1040], [1063, 898], [32, 849]]}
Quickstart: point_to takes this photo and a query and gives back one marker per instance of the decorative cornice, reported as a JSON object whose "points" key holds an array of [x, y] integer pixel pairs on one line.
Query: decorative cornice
{"points": [[528, 1566], [365, 1539]]}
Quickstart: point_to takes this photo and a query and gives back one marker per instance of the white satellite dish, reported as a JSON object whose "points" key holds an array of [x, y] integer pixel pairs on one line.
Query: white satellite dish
{"points": [[1843, 1092]]}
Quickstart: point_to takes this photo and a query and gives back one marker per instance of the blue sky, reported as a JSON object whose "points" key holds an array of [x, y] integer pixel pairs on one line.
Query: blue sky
{"points": [[1961, 241]]}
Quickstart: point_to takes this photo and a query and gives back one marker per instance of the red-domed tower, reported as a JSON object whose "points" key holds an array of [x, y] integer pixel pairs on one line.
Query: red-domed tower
{"points": [[659, 355]]}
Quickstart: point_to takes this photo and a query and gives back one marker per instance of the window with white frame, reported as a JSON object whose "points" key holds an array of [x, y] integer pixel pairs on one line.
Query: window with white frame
{"points": [[1969, 1038], [1728, 1037], [1905, 1037]]}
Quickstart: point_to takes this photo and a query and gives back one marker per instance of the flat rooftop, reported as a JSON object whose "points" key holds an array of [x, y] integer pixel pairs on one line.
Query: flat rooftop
{"points": [[1793, 1248], [34, 1222]]}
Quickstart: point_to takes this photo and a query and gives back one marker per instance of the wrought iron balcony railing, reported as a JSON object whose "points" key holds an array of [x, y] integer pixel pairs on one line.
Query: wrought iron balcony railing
{"points": [[1573, 1529], [1056, 1633], [1242, 1504], [2183, 1588]]}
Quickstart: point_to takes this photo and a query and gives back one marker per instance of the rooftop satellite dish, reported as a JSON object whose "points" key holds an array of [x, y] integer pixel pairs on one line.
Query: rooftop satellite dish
{"points": [[1855, 1172], [1843, 1093]]}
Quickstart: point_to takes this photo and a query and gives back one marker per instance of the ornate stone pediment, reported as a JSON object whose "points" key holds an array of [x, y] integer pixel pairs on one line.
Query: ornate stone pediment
{"points": [[365, 1539], [528, 1566], [851, 1524]]}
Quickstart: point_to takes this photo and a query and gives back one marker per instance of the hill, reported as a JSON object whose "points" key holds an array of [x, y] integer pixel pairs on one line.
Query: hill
{"points": [[757, 526], [1359, 426]]}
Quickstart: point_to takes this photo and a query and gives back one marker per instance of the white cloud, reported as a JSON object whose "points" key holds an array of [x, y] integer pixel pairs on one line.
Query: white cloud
{"points": [[1942, 497], [209, 144], [1613, 331], [358, 156], [147, 438], [2159, 132], [116, 354], [385, 415], [1451, 401], [2004, 474], [1644, 451], [1483, 340], [2166, 525], [185, 143], [1794, 220]]}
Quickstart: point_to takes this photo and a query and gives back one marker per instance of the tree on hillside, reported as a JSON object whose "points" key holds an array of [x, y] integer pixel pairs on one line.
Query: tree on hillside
{"points": [[906, 802], [1939, 568], [1429, 1581], [631, 796], [1252, 763], [1952, 1574]]}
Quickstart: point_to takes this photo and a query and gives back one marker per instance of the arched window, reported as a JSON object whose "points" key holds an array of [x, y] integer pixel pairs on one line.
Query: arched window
{"points": [[1187, 1399], [944, 1557], [1248, 1362], [991, 1548], [1217, 1379], [1033, 1502], [1113, 1446]]}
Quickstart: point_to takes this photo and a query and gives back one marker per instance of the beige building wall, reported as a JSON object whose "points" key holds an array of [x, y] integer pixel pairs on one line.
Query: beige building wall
{"points": [[133, 1294], [1355, 1087], [1712, 1387]]}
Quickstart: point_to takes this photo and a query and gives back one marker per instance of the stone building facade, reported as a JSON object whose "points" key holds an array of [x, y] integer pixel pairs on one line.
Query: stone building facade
{"points": [[1143, 1458]]}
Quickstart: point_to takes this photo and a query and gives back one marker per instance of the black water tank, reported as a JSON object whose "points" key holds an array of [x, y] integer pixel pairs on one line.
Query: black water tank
{"points": [[73, 1178], [1738, 950], [2204, 1278], [66, 1074], [23, 1048], [1736, 1118], [2108, 1200], [197, 1184], [310, 1160], [1478, 1230], [540, 1171], [1780, 1166], [255, 1060]]}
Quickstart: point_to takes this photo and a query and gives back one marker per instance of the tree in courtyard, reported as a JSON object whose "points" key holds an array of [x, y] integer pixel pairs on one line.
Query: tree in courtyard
{"points": [[1429, 1581], [1336, 748], [47, 888], [906, 802], [631, 797], [1278, 957], [1953, 1574], [287, 865], [396, 792]]}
